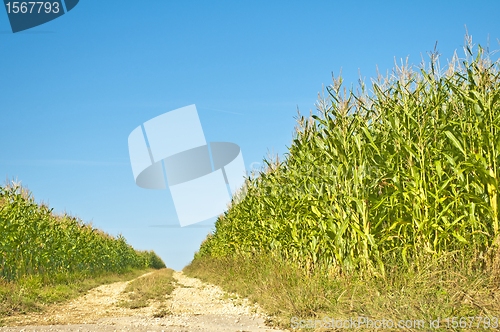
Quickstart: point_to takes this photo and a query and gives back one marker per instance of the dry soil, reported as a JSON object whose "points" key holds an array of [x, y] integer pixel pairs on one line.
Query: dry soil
{"points": [[193, 306]]}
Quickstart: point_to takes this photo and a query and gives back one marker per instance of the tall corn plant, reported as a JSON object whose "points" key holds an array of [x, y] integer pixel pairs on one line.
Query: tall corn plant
{"points": [[35, 241], [411, 169]]}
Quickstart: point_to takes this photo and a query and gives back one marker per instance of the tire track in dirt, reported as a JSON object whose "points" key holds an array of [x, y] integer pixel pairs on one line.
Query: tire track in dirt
{"points": [[193, 306]]}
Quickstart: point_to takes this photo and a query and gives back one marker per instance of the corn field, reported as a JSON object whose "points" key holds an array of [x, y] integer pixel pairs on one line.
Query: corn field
{"points": [[33, 240], [409, 169]]}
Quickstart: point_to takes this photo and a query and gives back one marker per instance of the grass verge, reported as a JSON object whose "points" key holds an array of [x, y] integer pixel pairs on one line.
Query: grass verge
{"points": [[34, 292], [454, 286], [155, 286]]}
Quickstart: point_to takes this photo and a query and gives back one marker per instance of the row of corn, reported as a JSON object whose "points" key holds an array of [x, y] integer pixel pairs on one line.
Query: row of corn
{"points": [[33, 240], [410, 168]]}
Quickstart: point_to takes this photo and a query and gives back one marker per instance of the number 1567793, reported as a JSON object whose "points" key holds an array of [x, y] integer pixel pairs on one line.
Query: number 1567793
{"points": [[32, 7]]}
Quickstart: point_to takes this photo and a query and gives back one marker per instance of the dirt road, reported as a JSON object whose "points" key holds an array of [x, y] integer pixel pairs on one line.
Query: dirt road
{"points": [[193, 306]]}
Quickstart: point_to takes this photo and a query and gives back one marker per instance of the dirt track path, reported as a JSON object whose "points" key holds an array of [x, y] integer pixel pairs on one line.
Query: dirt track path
{"points": [[194, 306]]}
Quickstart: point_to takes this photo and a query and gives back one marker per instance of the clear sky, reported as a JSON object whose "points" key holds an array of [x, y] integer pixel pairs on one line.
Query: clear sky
{"points": [[73, 89]]}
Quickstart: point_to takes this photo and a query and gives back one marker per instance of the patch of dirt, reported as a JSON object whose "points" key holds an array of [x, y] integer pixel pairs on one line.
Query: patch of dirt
{"points": [[193, 306]]}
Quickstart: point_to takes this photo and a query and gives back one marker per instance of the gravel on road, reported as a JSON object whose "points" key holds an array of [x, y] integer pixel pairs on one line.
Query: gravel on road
{"points": [[193, 306]]}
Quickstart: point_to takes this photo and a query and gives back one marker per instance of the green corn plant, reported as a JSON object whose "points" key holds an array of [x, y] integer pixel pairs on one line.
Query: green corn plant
{"points": [[410, 169], [33, 240]]}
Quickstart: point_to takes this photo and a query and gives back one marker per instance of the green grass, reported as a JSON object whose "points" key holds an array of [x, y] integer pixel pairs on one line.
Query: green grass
{"points": [[453, 286], [156, 286]]}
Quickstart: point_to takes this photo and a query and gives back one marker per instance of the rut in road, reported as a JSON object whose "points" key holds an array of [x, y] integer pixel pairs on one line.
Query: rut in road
{"points": [[193, 306]]}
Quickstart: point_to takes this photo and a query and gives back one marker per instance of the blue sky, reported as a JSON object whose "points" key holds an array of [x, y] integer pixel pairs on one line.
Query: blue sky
{"points": [[73, 89]]}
